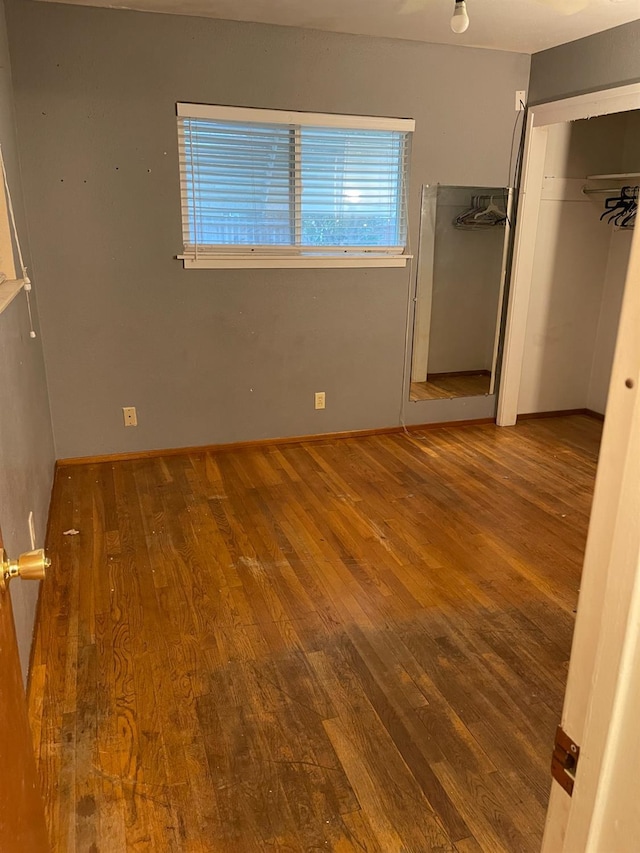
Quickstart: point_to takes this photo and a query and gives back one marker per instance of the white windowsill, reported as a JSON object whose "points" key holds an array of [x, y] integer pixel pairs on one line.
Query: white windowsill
{"points": [[315, 262], [9, 289]]}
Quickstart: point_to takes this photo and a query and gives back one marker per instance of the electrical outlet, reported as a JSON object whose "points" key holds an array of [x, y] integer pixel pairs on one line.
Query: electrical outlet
{"points": [[32, 531], [521, 99], [320, 399], [130, 416]]}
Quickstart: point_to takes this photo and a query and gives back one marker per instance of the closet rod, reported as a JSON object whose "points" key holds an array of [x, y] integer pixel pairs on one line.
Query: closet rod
{"points": [[609, 190]]}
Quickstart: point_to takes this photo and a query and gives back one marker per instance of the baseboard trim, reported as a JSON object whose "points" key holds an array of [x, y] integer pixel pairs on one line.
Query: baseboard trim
{"points": [[561, 413], [597, 415], [264, 442]]}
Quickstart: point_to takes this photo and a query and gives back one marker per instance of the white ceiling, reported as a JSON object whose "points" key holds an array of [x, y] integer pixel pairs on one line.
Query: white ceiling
{"points": [[526, 26]]}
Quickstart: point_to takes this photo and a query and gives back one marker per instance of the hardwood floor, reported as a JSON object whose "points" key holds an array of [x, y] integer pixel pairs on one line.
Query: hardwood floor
{"points": [[444, 386], [352, 645]]}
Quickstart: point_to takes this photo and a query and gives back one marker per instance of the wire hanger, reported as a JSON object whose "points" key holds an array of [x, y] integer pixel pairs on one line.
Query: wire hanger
{"points": [[482, 215]]}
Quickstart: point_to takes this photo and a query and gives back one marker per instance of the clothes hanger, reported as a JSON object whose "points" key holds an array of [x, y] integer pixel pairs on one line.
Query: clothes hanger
{"points": [[621, 209], [482, 215], [617, 205], [491, 209], [461, 219]]}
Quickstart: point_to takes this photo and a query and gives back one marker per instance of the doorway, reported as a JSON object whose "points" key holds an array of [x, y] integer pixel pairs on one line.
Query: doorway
{"points": [[546, 135]]}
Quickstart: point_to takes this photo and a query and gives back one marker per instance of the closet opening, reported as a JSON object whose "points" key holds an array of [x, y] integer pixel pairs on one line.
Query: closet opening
{"points": [[585, 226]]}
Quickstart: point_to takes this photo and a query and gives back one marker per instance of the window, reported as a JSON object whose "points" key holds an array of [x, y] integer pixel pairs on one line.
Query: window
{"points": [[10, 250], [269, 188]]}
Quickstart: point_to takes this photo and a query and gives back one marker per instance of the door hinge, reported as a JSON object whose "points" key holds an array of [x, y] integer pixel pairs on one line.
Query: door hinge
{"points": [[565, 760]]}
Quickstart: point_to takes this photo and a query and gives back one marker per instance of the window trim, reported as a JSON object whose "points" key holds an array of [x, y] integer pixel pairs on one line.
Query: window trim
{"points": [[285, 257], [9, 289], [298, 262], [255, 114]]}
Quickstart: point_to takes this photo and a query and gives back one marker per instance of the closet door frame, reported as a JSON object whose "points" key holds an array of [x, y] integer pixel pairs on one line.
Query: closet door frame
{"points": [[538, 118]]}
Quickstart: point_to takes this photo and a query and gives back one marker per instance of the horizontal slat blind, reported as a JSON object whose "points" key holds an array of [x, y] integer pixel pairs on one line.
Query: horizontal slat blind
{"points": [[236, 184], [352, 188], [252, 188]]}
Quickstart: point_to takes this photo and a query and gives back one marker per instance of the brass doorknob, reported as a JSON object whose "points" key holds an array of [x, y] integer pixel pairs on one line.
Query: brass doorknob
{"points": [[30, 566]]}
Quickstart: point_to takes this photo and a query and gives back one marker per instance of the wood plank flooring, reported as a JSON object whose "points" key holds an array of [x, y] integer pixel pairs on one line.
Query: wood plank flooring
{"points": [[352, 645], [444, 387]]}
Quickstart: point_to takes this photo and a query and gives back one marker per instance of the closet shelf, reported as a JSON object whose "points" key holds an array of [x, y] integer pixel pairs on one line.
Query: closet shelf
{"points": [[618, 176]]}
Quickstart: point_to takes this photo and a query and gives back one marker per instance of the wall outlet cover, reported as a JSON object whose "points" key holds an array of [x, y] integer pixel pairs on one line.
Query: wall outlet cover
{"points": [[130, 416]]}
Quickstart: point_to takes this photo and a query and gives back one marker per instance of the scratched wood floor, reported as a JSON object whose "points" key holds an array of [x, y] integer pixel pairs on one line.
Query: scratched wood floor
{"points": [[352, 645], [444, 387]]}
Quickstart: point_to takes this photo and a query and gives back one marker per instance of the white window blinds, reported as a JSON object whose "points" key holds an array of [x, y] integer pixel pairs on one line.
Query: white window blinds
{"points": [[264, 183]]}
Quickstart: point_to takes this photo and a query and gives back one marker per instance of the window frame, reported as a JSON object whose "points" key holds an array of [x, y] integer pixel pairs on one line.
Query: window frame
{"points": [[291, 256]]}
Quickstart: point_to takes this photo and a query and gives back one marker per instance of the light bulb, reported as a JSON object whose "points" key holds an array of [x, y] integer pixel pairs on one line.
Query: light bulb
{"points": [[460, 19]]}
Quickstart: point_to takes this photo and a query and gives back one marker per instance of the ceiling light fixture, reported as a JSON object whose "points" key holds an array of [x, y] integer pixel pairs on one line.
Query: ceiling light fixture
{"points": [[460, 19]]}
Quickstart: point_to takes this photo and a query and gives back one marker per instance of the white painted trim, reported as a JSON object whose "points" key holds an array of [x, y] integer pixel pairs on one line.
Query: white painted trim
{"points": [[8, 292], [620, 99], [213, 252], [563, 189], [7, 260], [292, 262], [616, 176], [424, 284], [525, 244], [291, 117]]}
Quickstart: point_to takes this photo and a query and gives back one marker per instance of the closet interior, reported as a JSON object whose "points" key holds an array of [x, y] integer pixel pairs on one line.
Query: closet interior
{"points": [[583, 241]]}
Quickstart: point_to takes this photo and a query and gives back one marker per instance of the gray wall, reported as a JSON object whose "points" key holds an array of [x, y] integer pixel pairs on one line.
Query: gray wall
{"points": [[219, 356], [601, 61], [26, 443]]}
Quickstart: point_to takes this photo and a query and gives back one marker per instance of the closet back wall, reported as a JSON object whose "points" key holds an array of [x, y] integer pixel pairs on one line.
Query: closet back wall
{"points": [[579, 269], [218, 356]]}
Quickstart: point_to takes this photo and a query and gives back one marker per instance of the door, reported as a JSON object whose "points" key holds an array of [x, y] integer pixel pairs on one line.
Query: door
{"points": [[22, 822], [602, 702]]}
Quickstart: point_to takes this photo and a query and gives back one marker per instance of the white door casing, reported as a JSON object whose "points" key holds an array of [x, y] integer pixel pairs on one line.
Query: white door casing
{"points": [[620, 99]]}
